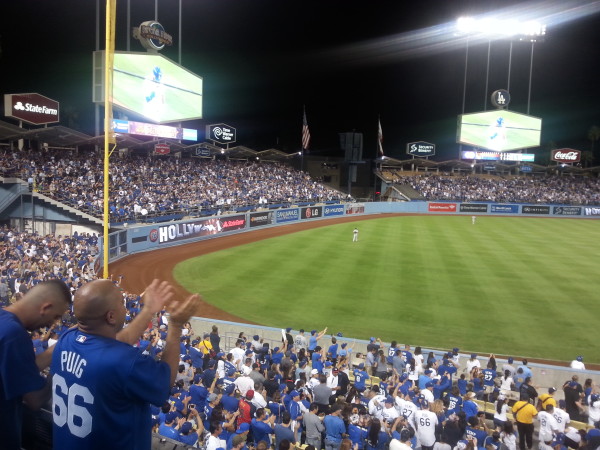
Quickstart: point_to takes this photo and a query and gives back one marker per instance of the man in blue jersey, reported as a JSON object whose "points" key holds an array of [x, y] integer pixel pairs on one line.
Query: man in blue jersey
{"points": [[102, 386], [20, 379]]}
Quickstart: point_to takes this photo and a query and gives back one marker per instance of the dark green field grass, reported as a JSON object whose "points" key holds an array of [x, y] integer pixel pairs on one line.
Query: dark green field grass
{"points": [[523, 286]]}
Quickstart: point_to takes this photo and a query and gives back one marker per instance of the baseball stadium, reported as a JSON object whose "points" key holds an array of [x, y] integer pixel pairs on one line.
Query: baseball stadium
{"points": [[419, 281]]}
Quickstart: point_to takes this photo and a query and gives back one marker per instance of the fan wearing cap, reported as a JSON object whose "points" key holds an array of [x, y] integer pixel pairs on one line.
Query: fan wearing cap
{"points": [[389, 413], [314, 339], [509, 366], [314, 379], [573, 395], [593, 409], [548, 399], [426, 422], [577, 363], [242, 430], [206, 348], [187, 434], [334, 428], [425, 378], [245, 408], [169, 428], [360, 377]]}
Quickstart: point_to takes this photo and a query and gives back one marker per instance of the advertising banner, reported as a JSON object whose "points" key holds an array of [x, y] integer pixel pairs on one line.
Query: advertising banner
{"points": [[504, 209], [180, 231], [333, 210], [535, 209], [473, 207], [260, 219], [567, 210], [32, 108], [355, 208], [441, 207], [312, 212], [593, 211], [566, 155], [286, 215]]}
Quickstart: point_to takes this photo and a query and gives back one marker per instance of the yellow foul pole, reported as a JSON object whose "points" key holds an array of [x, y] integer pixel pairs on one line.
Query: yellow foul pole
{"points": [[109, 135]]}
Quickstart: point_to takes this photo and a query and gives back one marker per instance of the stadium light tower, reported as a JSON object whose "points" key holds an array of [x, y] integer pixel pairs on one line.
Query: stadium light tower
{"points": [[488, 29]]}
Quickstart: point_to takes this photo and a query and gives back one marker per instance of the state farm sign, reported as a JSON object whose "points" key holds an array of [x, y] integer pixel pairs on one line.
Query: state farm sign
{"points": [[32, 108], [566, 155]]}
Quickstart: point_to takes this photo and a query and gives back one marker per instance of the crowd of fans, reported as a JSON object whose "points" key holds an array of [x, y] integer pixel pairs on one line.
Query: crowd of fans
{"points": [[553, 189], [27, 259], [314, 390], [150, 185]]}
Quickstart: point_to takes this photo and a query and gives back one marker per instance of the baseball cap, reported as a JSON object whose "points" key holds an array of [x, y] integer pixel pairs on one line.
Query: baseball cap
{"points": [[428, 371], [562, 404], [580, 358], [186, 428], [389, 399], [314, 372], [205, 335], [231, 372], [328, 364], [313, 331], [294, 393], [197, 378], [372, 339], [361, 366], [424, 403], [256, 337], [243, 428], [220, 354], [344, 345], [249, 394], [301, 330], [510, 360], [249, 352], [429, 384], [473, 355], [303, 362], [170, 417], [551, 390], [276, 349], [335, 370], [403, 377], [455, 349], [211, 363], [340, 335], [229, 389], [288, 329]]}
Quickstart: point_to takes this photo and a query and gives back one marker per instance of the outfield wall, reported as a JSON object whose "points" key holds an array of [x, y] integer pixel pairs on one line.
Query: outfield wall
{"points": [[151, 237]]}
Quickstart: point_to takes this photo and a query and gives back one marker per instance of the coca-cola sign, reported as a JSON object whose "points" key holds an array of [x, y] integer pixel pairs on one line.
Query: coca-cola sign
{"points": [[566, 155], [32, 108]]}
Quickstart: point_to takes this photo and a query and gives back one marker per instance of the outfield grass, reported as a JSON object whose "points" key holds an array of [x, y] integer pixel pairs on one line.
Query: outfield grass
{"points": [[522, 286]]}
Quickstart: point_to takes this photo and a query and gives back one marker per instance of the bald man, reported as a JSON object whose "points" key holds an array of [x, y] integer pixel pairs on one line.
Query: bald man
{"points": [[20, 379], [102, 386]]}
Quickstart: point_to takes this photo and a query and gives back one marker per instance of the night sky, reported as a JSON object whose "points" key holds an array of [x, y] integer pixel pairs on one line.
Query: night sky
{"points": [[347, 61]]}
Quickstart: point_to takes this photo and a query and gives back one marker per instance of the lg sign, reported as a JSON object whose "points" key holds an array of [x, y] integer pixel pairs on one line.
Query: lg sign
{"points": [[32, 108], [566, 155]]}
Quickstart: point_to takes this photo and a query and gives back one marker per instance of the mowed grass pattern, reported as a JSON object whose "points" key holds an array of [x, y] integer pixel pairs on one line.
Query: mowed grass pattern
{"points": [[522, 286]]}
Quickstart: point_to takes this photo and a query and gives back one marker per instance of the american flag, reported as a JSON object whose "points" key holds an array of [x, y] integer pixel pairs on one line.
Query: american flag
{"points": [[380, 139], [305, 133]]}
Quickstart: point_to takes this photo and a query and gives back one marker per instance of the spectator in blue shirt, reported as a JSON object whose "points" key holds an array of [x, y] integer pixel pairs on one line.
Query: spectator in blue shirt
{"points": [[334, 428]]}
